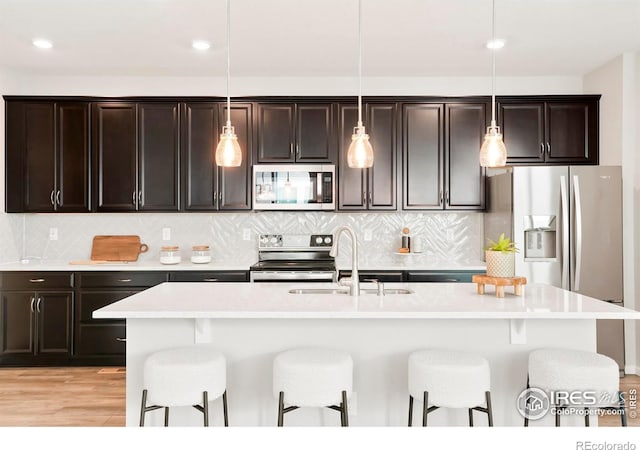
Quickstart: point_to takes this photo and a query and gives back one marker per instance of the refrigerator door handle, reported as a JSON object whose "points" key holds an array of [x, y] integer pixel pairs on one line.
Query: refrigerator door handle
{"points": [[578, 235], [564, 211]]}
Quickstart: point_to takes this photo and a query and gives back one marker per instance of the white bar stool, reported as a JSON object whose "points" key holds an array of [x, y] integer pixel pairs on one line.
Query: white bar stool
{"points": [[313, 377], [449, 379], [184, 377], [561, 370]]}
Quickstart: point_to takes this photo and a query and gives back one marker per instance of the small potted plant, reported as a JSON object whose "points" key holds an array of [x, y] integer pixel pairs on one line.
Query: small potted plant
{"points": [[500, 256]]}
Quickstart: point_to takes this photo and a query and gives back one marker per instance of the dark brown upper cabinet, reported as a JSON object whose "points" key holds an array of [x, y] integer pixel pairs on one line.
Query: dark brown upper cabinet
{"points": [[296, 132], [206, 186], [136, 156], [554, 130], [373, 188], [47, 156], [440, 146]]}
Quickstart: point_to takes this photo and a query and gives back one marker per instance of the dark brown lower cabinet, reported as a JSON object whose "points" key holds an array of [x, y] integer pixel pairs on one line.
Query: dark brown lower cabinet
{"points": [[36, 326]]}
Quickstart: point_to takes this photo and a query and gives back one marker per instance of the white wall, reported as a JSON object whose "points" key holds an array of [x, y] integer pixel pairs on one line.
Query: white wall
{"points": [[607, 80]]}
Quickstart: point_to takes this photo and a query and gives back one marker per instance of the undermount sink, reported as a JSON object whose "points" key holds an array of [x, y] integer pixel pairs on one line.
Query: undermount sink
{"points": [[346, 291]]}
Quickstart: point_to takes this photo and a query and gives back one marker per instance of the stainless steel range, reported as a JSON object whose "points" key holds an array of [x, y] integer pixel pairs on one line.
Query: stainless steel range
{"points": [[294, 257]]}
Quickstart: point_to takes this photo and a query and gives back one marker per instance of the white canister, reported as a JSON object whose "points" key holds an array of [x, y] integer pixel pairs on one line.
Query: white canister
{"points": [[200, 254], [416, 244], [170, 255]]}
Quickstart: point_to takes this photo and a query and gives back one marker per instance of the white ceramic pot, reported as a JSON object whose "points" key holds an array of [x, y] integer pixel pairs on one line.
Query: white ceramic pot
{"points": [[500, 264]]}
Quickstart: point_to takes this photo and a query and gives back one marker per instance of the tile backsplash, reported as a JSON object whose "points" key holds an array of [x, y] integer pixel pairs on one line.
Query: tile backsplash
{"points": [[451, 237]]}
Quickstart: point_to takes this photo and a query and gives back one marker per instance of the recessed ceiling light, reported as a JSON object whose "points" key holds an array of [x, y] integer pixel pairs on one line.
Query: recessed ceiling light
{"points": [[200, 45], [42, 43], [495, 44]]}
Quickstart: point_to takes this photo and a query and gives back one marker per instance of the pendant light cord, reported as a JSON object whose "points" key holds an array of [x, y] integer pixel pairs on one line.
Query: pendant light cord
{"points": [[493, 64], [228, 61], [359, 63]]}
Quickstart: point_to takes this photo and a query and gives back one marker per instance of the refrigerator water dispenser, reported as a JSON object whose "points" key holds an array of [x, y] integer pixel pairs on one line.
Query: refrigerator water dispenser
{"points": [[539, 237]]}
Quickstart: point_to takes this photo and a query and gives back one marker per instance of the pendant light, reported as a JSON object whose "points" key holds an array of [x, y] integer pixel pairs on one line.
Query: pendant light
{"points": [[493, 152], [228, 153], [360, 153]]}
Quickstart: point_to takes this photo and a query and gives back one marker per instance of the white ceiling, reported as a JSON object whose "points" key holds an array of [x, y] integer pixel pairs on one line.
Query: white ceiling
{"points": [[316, 37]]}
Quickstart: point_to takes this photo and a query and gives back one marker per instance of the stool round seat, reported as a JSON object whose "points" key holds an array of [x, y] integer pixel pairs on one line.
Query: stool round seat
{"points": [[313, 377], [574, 370], [453, 379], [178, 377]]}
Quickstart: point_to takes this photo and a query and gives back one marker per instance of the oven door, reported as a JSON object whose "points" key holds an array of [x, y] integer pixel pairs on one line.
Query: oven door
{"points": [[294, 187], [292, 275]]}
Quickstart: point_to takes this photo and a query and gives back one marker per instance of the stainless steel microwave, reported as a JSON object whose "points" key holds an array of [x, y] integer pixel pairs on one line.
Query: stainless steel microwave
{"points": [[294, 187]]}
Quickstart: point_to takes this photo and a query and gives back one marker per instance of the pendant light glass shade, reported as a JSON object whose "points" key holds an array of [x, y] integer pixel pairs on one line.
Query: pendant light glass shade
{"points": [[360, 153], [493, 152], [228, 153]]}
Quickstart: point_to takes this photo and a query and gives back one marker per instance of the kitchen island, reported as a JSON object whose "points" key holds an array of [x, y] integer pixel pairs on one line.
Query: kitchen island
{"points": [[251, 322]]}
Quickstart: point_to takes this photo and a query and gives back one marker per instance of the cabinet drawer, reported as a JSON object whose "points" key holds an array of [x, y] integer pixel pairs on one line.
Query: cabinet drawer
{"points": [[121, 279], [214, 276], [89, 301], [101, 340], [454, 276], [384, 276], [36, 280]]}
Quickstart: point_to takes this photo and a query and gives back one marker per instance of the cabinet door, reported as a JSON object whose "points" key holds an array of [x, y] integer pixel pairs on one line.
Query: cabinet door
{"points": [[17, 323], [422, 128], [200, 132], [234, 183], [73, 171], [381, 120], [352, 183], [54, 322], [40, 160], [314, 133], [275, 133], [158, 160], [522, 126], [114, 138], [572, 134], [465, 128]]}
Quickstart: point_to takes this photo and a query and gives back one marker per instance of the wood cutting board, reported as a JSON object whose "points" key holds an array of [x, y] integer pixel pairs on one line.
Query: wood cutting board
{"points": [[117, 248]]}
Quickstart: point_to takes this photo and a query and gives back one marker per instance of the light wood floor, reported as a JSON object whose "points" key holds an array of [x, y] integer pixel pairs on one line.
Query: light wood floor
{"points": [[95, 397]]}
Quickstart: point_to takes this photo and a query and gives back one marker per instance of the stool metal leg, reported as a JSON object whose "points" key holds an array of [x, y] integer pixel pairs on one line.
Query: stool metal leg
{"points": [[586, 417], [281, 409], [526, 407], [345, 412], [143, 409], [623, 413], [410, 410], [425, 410], [558, 416], [205, 407], [166, 416], [225, 409], [489, 408], [470, 417]]}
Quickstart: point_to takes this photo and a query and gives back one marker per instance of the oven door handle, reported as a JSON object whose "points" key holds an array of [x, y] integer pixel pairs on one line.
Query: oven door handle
{"points": [[291, 275]]}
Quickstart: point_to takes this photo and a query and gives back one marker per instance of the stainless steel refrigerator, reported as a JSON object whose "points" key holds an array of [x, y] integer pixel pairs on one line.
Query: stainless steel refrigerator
{"points": [[567, 223]]}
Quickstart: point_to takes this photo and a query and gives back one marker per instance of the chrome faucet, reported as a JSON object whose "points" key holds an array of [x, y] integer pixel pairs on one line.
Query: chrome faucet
{"points": [[354, 288]]}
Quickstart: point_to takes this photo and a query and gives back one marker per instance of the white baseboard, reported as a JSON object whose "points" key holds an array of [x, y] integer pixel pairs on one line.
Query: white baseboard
{"points": [[631, 370]]}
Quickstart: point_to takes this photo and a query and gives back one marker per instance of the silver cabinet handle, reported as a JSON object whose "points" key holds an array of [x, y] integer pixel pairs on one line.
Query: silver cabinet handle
{"points": [[541, 148], [291, 148], [133, 197], [548, 149], [121, 339], [124, 280], [140, 197], [58, 198], [33, 299], [364, 199], [38, 304], [215, 196], [446, 197], [441, 198], [53, 202], [209, 279], [298, 149], [370, 199], [220, 196], [36, 280]]}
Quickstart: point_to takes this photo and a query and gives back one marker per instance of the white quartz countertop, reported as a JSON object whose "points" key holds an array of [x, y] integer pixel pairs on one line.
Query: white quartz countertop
{"points": [[429, 301]]}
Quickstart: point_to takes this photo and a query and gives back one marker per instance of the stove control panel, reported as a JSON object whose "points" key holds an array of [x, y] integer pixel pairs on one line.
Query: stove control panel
{"points": [[321, 240], [270, 241], [294, 242]]}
